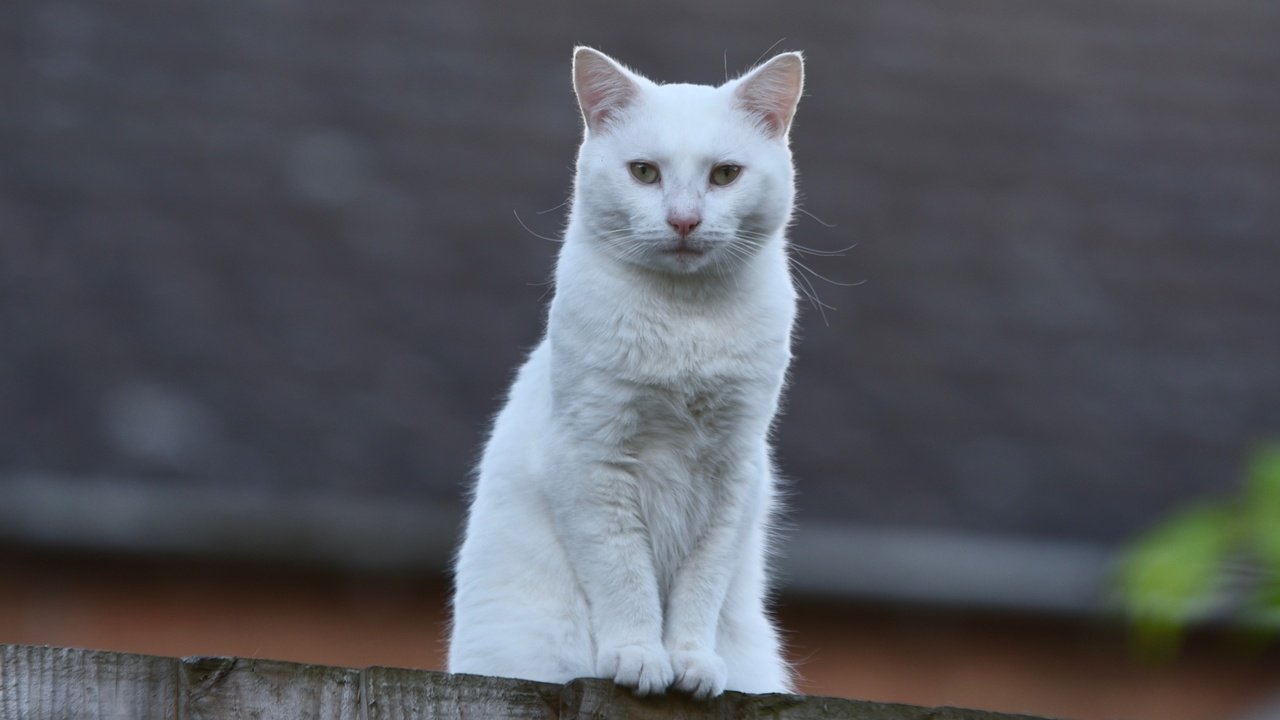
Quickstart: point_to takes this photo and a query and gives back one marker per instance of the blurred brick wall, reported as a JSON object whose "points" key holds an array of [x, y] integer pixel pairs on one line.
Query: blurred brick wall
{"points": [[275, 244]]}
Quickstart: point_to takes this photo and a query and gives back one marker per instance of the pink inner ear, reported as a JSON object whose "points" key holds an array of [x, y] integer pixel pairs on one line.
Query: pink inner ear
{"points": [[772, 92], [603, 87]]}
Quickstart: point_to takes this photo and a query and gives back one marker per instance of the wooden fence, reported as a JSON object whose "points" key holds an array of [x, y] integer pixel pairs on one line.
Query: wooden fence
{"points": [[43, 683]]}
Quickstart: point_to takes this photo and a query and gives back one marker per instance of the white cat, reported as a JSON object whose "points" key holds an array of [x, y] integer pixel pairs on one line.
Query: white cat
{"points": [[620, 524]]}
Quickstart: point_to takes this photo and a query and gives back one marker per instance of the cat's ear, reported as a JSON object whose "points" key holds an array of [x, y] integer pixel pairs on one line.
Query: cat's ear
{"points": [[771, 92], [604, 87]]}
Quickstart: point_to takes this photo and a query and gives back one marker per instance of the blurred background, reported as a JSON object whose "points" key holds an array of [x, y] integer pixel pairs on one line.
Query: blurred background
{"points": [[267, 266]]}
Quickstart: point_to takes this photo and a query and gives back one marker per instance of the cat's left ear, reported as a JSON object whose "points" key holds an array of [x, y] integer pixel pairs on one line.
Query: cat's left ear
{"points": [[772, 91]]}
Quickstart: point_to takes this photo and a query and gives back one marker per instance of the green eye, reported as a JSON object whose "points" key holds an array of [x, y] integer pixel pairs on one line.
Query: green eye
{"points": [[724, 174], [644, 172]]}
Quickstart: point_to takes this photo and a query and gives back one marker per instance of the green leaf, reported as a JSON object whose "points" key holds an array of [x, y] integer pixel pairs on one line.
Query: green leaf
{"points": [[1262, 507], [1171, 575]]}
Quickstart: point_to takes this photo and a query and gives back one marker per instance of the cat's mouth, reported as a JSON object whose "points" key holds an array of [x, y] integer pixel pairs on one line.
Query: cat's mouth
{"points": [[684, 250]]}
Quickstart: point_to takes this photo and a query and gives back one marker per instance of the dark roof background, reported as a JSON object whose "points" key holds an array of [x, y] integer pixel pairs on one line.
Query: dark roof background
{"points": [[277, 248]]}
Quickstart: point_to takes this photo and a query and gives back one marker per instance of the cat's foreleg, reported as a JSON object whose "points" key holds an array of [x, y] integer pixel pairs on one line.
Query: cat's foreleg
{"points": [[609, 548], [702, 583]]}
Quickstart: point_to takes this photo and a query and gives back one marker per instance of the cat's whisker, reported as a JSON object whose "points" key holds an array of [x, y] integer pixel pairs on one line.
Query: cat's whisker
{"points": [[741, 251], [821, 253], [553, 209], [820, 221], [811, 293], [626, 245], [820, 276], [769, 49], [531, 231], [754, 240], [618, 235]]}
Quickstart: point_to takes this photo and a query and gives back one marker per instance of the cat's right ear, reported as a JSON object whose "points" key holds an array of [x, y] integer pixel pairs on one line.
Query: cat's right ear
{"points": [[604, 87]]}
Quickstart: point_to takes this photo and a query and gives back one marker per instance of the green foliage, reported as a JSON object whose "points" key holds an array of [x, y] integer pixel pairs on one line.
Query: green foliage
{"points": [[1262, 505], [1176, 573]]}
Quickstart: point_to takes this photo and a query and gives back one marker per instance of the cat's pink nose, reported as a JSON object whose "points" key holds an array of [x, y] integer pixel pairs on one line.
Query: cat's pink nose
{"points": [[684, 224]]}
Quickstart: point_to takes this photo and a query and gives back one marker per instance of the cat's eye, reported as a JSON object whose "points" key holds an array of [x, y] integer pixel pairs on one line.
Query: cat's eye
{"points": [[646, 173], [724, 174]]}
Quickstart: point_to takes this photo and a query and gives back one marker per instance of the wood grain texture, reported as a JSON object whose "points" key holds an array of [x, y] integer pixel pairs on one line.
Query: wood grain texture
{"points": [[589, 699], [47, 683], [227, 688], [396, 694], [59, 684]]}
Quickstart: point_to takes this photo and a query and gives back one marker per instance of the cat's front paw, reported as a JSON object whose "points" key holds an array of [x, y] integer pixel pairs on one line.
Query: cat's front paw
{"points": [[701, 673], [644, 668]]}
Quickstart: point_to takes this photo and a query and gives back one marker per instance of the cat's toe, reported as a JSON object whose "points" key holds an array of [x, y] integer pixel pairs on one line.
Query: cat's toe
{"points": [[700, 673], [646, 669]]}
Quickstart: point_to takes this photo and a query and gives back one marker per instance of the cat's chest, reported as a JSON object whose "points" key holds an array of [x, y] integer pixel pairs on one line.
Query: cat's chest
{"points": [[663, 396], [686, 415], [693, 354]]}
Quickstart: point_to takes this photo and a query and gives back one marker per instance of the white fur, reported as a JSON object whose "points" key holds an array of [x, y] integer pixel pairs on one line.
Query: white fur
{"points": [[620, 523]]}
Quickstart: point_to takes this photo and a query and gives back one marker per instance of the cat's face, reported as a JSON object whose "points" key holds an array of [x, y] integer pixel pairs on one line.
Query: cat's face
{"points": [[684, 178]]}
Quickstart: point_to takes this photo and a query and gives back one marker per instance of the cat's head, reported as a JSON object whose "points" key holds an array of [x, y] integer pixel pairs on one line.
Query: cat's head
{"points": [[683, 178]]}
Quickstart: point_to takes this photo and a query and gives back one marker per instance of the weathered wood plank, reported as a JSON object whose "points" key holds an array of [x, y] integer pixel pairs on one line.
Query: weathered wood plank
{"points": [[592, 699], [47, 683], [394, 694], [226, 688], [589, 699], [41, 683]]}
